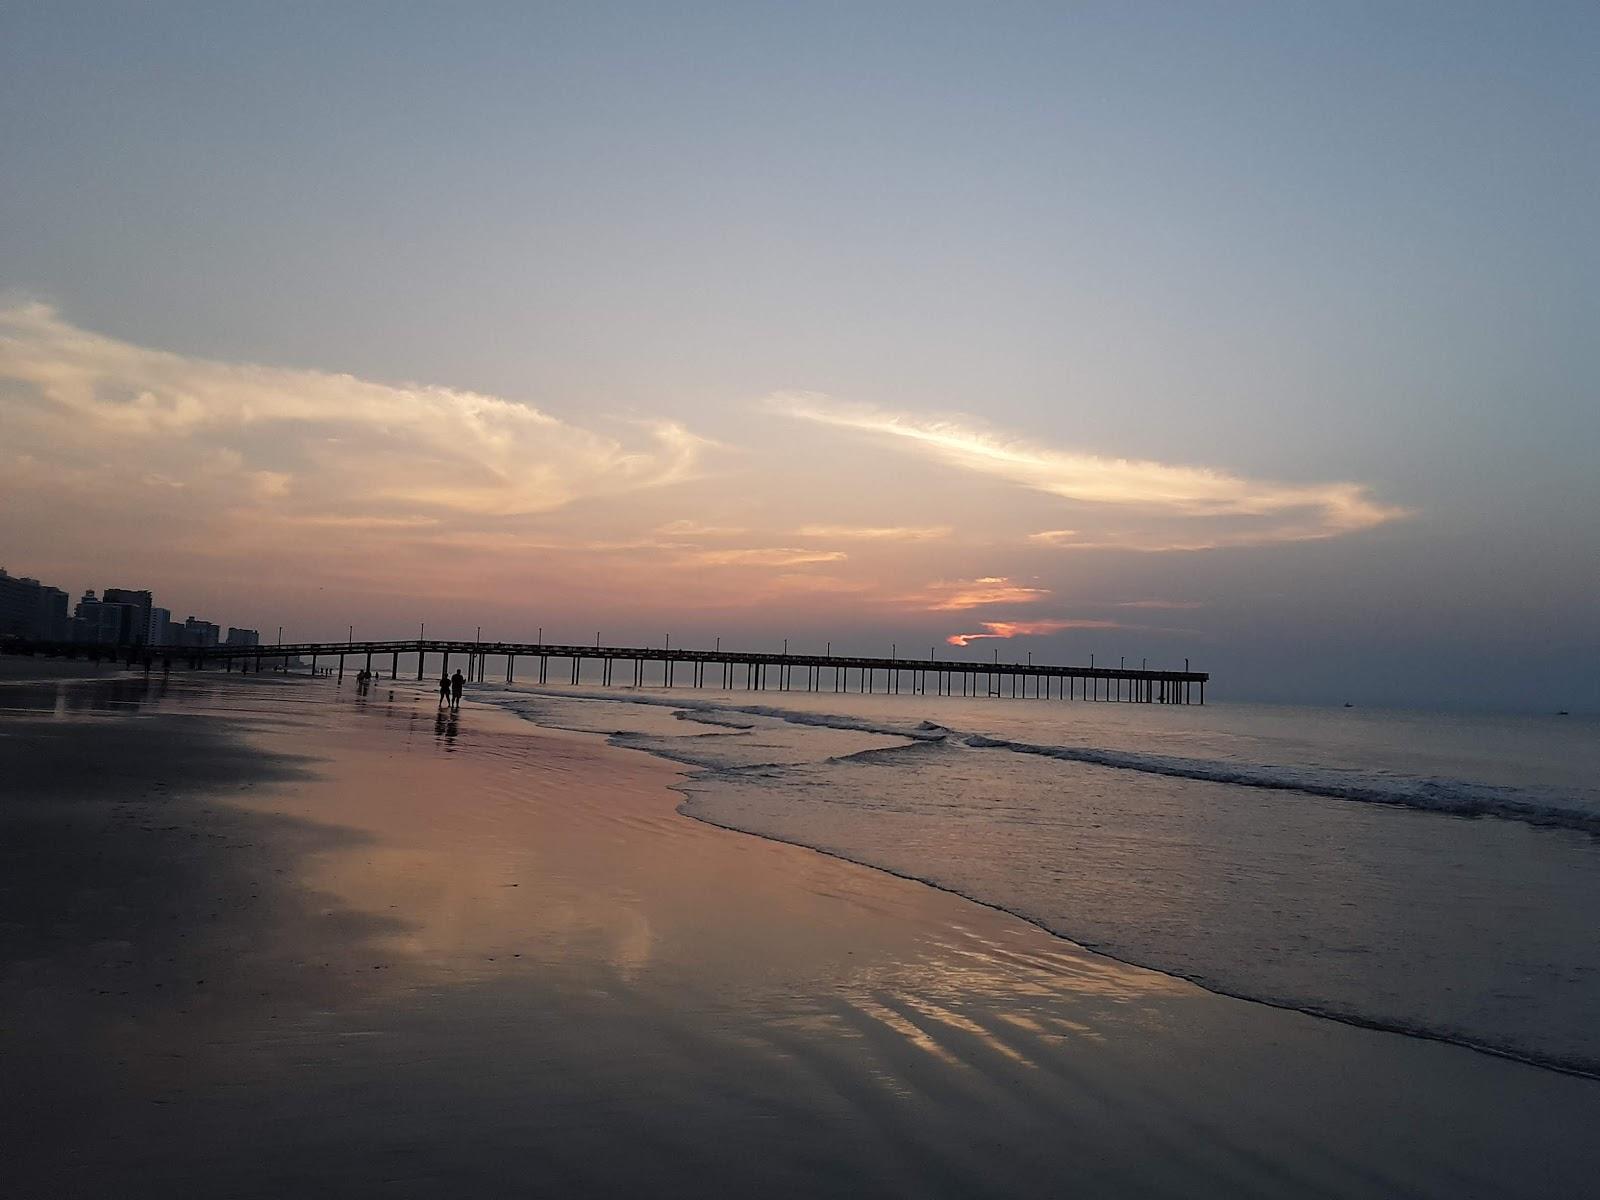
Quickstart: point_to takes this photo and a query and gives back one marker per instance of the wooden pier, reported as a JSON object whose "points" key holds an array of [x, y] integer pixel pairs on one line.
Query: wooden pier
{"points": [[624, 666]]}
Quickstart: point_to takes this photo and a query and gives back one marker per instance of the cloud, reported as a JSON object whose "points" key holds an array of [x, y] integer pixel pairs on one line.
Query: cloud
{"points": [[1012, 629], [1161, 604], [960, 594], [269, 485], [327, 521], [697, 529], [832, 585], [312, 441], [1153, 542], [765, 556], [896, 533], [1250, 512]]}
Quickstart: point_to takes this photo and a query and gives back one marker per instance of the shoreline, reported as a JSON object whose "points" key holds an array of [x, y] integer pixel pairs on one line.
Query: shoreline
{"points": [[1580, 1069], [1353, 1021], [519, 932]]}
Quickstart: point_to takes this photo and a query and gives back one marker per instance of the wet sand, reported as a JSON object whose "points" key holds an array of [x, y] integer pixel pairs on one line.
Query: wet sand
{"points": [[263, 937]]}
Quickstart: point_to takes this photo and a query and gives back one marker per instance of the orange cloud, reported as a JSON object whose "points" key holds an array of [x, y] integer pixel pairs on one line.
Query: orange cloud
{"points": [[765, 556], [699, 529], [961, 594], [1012, 629], [896, 533]]}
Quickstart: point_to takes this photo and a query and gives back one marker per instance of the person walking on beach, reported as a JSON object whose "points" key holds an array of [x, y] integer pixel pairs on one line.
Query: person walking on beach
{"points": [[444, 689], [457, 682]]}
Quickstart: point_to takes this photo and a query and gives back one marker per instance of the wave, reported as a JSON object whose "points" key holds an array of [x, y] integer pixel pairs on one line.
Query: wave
{"points": [[1452, 797], [1448, 797], [720, 712], [914, 751], [710, 718], [699, 710]]}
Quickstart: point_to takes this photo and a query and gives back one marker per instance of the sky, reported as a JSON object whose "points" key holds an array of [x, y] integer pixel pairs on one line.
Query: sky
{"points": [[1256, 335]]}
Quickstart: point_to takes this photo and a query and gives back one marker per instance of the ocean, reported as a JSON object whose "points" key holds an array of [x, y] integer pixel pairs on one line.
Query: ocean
{"points": [[1435, 875]]}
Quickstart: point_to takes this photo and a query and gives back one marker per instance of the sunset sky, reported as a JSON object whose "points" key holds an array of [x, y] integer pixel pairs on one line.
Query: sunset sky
{"points": [[1261, 335]]}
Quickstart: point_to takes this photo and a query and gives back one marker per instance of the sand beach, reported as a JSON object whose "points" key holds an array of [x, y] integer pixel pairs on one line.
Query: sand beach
{"points": [[266, 937]]}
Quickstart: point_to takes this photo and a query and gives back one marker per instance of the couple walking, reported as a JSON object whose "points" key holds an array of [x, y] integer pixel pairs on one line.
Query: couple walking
{"points": [[450, 689]]}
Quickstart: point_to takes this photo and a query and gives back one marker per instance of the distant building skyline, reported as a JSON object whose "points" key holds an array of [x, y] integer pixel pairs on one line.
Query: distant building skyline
{"points": [[117, 617]]}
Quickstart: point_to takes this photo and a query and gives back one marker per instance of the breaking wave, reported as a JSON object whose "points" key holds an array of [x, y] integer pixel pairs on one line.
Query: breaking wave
{"points": [[1453, 797], [1431, 794]]}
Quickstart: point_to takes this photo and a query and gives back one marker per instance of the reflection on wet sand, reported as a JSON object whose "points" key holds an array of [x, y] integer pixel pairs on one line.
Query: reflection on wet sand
{"points": [[524, 853], [81, 697], [446, 724]]}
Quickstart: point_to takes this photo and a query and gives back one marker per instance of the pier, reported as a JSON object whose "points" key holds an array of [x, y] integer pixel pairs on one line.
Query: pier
{"points": [[667, 667]]}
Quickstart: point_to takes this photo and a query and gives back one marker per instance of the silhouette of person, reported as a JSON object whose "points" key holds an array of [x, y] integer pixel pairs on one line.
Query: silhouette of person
{"points": [[457, 682], [444, 688]]}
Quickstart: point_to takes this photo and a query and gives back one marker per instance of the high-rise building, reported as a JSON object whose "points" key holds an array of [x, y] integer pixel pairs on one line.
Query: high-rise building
{"points": [[53, 624], [88, 621], [133, 621], [108, 622], [18, 598], [200, 634], [242, 637], [19, 605], [160, 632], [33, 610]]}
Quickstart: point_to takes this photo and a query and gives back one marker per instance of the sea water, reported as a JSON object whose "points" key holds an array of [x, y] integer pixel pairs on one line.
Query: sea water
{"points": [[1431, 874]]}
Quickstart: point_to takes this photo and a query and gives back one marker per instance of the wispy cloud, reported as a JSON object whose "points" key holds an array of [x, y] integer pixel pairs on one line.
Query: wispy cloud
{"points": [[1267, 511], [1161, 604], [1014, 629], [961, 594], [765, 556], [326, 521], [1160, 542], [688, 528], [880, 533], [311, 441]]}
